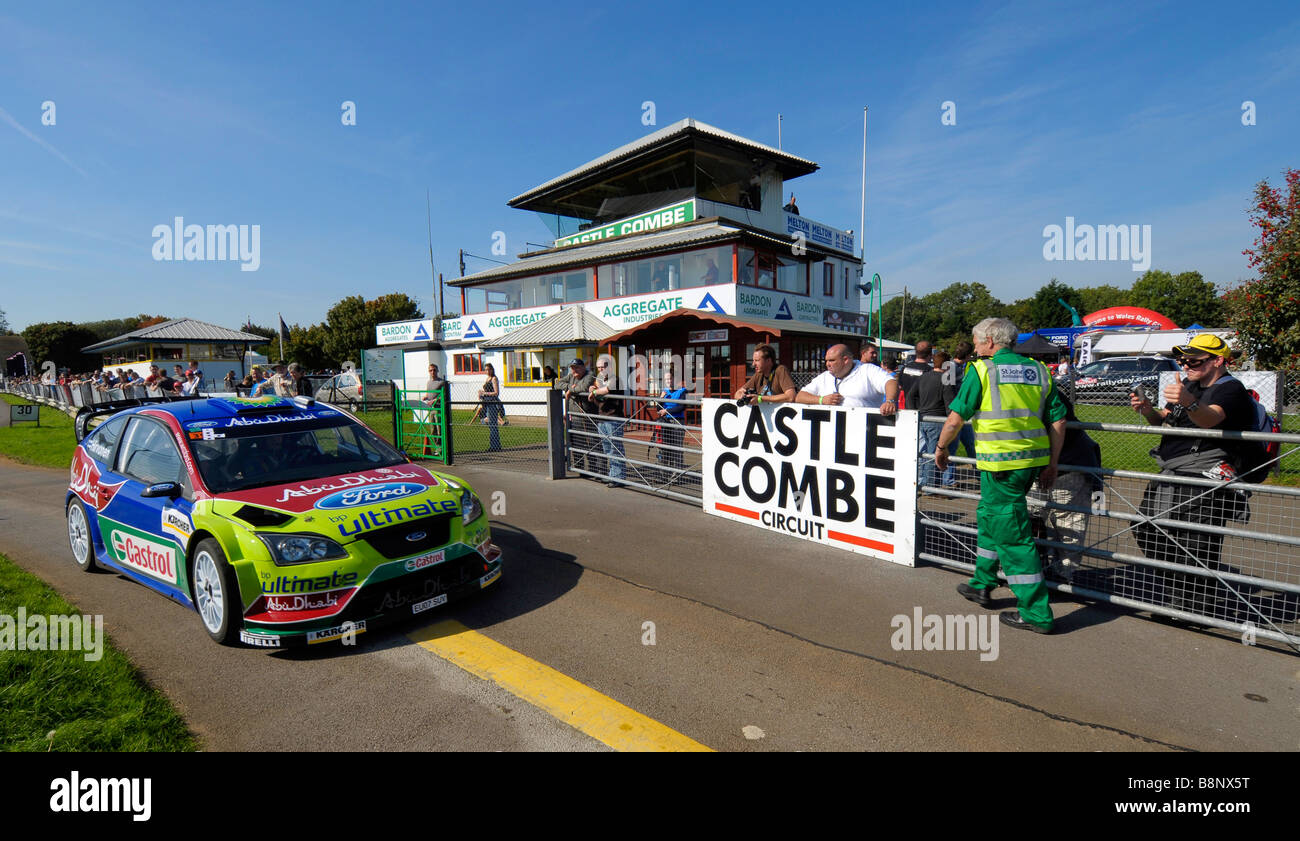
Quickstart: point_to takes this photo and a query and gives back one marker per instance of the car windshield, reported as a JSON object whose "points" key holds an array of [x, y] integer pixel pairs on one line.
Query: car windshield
{"points": [[237, 458], [1093, 369]]}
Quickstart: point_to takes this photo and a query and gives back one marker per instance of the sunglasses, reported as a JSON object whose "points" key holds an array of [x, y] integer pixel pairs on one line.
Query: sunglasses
{"points": [[1194, 363]]}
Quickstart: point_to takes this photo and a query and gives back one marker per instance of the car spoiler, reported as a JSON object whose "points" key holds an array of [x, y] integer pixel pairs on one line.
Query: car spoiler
{"points": [[81, 423]]}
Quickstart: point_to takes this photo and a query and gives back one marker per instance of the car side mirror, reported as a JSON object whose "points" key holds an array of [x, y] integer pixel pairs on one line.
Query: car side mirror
{"points": [[167, 489]]}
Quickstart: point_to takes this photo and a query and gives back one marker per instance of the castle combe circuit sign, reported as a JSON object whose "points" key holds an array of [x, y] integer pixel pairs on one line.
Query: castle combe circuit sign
{"points": [[836, 476]]}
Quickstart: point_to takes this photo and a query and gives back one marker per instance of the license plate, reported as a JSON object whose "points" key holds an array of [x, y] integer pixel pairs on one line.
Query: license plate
{"points": [[427, 604]]}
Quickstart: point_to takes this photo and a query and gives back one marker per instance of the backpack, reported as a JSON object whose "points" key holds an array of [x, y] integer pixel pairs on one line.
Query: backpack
{"points": [[1260, 459]]}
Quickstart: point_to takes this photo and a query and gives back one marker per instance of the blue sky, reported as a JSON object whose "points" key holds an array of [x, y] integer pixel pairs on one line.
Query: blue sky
{"points": [[1113, 113]]}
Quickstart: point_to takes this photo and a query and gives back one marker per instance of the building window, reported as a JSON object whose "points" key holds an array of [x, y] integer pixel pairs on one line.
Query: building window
{"points": [[525, 367], [467, 363], [791, 276], [846, 283], [828, 279], [537, 291]]}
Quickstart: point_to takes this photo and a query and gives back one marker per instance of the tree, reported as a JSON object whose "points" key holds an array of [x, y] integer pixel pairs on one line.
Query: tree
{"points": [[307, 346], [351, 324], [4, 324], [1045, 310], [1101, 297], [956, 309], [1184, 299], [1018, 313], [272, 348], [1264, 311], [907, 310], [61, 342]]}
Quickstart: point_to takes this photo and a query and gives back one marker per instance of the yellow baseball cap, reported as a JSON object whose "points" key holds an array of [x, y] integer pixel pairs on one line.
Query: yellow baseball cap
{"points": [[1204, 343]]}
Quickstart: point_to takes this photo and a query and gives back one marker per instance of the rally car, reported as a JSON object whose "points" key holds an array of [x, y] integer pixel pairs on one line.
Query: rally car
{"points": [[280, 521]]}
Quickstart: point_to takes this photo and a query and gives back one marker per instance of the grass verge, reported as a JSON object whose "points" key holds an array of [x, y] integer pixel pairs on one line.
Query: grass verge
{"points": [[49, 445], [100, 705]]}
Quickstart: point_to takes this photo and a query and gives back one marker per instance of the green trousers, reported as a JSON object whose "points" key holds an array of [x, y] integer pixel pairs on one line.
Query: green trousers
{"points": [[1006, 540]]}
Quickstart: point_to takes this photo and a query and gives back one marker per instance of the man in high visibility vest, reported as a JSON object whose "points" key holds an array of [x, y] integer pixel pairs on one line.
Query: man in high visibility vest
{"points": [[1019, 422]]}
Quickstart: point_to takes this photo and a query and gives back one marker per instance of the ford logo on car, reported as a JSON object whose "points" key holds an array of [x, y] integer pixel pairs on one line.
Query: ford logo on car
{"points": [[416, 536], [369, 495]]}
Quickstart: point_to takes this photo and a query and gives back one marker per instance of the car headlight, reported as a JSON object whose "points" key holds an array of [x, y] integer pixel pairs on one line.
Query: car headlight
{"points": [[301, 548], [470, 507]]}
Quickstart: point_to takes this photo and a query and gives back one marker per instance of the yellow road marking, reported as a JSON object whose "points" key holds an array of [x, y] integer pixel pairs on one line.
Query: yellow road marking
{"points": [[578, 705]]}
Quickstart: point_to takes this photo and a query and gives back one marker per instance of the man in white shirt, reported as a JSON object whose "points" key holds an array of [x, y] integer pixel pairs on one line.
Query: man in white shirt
{"points": [[848, 382]]}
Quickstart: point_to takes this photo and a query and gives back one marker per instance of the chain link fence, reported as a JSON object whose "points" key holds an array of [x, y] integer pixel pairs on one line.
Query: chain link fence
{"points": [[487, 431]]}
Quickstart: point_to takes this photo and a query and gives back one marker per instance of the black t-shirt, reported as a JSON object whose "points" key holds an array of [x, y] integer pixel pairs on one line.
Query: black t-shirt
{"points": [[1239, 414], [926, 394], [910, 373]]}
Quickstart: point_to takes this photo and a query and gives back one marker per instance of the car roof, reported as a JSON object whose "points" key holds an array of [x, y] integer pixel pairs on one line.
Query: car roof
{"points": [[223, 408]]}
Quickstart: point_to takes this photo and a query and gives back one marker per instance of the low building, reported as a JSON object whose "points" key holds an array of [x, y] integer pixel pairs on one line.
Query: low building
{"points": [[218, 350]]}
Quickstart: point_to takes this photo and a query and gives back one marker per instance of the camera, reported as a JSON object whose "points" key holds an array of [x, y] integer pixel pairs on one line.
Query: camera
{"points": [[1140, 391], [748, 398]]}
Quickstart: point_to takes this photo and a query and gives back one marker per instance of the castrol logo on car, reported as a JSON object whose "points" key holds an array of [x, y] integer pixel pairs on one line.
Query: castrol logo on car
{"points": [[153, 559]]}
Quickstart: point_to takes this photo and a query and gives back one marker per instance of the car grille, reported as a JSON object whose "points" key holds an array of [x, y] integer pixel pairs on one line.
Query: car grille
{"points": [[392, 542], [399, 593]]}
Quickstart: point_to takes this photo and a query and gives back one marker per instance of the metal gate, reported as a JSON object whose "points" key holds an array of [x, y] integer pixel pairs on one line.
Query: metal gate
{"points": [[639, 449], [1222, 554], [420, 423]]}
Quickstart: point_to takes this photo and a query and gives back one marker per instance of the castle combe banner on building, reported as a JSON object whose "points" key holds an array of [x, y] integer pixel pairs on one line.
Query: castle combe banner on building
{"points": [[841, 477], [663, 217]]}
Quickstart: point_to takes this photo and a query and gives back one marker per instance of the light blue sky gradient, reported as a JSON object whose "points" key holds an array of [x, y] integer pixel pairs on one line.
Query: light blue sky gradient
{"points": [[1113, 113]]}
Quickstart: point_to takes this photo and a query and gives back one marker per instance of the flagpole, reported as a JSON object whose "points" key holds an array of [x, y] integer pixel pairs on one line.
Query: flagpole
{"points": [[279, 332]]}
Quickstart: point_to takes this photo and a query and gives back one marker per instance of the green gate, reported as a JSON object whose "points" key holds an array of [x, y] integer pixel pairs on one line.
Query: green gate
{"points": [[421, 423]]}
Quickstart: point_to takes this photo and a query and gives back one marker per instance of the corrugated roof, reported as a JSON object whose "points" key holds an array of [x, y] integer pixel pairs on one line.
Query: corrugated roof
{"points": [[665, 135], [571, 325], [176, 330], [603, 251]]}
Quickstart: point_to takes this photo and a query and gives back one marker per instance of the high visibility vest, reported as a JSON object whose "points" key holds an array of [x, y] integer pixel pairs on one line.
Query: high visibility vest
{"points": [[1009, 430]]}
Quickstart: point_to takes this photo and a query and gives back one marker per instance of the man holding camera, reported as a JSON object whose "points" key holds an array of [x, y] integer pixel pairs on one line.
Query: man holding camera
{"points": [[771, 382], [1210, 398]]}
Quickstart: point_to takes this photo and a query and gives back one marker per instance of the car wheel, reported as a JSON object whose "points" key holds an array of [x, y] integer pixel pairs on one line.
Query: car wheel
{"points": [[216, 595], [83, 550]]}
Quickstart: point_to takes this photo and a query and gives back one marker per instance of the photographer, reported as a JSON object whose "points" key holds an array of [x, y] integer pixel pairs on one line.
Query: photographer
{"points": [[771, 382], [1209, 398]]}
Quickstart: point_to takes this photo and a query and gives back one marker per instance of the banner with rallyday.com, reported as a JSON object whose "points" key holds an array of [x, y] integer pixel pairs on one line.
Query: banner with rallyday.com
{"points": [[836, 476]]}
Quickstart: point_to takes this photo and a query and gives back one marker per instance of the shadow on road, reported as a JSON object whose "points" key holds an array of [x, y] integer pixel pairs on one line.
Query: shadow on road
{"points": [[532, 576]]}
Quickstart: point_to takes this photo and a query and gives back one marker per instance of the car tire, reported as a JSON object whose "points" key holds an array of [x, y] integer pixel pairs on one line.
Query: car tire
{"points": [[83, 546], [215, 592]]}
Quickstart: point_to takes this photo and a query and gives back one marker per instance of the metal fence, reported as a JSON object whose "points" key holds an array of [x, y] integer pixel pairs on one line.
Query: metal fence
{"points": [[1223, 554], [639, 449], [1108, 403], [75, 397]]}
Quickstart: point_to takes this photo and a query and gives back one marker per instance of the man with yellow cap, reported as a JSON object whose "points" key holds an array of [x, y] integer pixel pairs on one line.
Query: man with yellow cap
{"points": [[1019, 422], [1209, 398]]}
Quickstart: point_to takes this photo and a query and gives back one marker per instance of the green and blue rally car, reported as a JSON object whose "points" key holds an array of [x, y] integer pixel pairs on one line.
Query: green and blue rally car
{"points": [[280, 521]]}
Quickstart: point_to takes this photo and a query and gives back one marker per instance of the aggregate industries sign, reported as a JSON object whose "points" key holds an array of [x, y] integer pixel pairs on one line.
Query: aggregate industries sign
{"points": [[841, 477]]}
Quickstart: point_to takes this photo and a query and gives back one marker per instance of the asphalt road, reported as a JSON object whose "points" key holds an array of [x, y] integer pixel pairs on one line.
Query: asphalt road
{"points": [[761, 642]]}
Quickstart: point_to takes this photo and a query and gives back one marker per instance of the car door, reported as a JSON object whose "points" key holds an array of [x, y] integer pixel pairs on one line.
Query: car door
{"points": [[146, 536]]}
